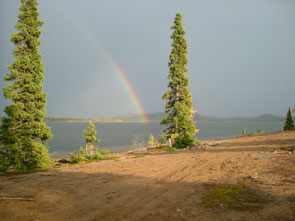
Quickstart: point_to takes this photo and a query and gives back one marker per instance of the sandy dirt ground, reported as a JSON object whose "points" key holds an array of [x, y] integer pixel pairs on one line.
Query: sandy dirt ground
{"points": [[161, 185]]}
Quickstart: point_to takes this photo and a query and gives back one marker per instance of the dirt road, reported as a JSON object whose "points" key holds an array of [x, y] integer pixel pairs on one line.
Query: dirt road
{"points": [[160, 186]]}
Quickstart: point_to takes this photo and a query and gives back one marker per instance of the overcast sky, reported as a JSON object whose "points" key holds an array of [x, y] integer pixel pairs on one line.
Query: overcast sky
{"points": [[241, 54]]}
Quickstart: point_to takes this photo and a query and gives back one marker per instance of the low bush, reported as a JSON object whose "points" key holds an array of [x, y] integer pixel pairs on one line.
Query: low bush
{"points": [[184, 142], [94, 155], [161, 148], [4, 165], [258, 132]]}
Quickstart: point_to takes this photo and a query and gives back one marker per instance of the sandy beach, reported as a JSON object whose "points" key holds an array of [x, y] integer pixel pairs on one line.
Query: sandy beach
{"points": [[161, 185]]}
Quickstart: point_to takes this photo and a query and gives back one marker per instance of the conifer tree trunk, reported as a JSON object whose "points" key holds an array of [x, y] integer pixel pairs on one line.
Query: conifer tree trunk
{"points": [[23, 133], [179, 110]]}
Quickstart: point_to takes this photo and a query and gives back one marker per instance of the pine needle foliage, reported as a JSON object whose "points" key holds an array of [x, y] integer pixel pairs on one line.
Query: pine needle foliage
{"points": [[90, 134], [90, 138], [289, 122], [23, 134], [179, 120]]}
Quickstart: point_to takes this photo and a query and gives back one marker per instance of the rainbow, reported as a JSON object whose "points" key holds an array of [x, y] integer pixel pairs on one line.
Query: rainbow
{"points": [[117, 70], [128, 87]]}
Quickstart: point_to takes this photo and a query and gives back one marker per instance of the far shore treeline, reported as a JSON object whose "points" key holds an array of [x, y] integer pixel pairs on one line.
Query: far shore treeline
{"points": [[157, 117]]}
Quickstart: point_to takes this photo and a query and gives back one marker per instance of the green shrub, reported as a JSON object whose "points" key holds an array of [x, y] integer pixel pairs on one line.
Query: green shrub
{"points": [[161, 148], [184, 142], [4, 165], [79, 157], [95, 155], [105, 152], [258, 132]]}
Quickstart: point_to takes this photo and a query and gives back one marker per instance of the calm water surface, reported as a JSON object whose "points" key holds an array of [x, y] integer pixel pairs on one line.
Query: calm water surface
{"points": [[121, 136]]}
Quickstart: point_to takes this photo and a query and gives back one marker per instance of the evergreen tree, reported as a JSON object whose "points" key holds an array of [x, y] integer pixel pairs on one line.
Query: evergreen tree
{"points": [[289, 123], [179, 120], [90, 152], [90, 137], [23, 133], [90, 134]]}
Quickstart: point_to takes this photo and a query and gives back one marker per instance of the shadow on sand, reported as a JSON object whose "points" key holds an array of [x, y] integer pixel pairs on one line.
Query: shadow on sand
{"points": [[62, 195]]}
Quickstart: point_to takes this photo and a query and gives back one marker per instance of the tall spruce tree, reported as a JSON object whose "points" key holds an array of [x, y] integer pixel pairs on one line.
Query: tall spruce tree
{"points": [[289, 123], [23, 134], [179, 110]]}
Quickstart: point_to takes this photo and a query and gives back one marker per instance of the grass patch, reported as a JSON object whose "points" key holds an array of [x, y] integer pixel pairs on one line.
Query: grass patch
{"points": [[233, 197], [161, 148]]}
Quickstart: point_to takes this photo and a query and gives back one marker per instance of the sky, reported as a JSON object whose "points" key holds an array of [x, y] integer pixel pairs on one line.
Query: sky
{"points": [[241, 55]]}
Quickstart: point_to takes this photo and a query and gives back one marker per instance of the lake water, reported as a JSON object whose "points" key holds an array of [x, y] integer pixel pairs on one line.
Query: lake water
{"points": [[117, 137]]}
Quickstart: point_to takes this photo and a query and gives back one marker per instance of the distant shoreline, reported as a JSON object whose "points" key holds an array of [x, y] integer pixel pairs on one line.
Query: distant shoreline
{"points": [[157, 117], [122, 121], [159, 121]]}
